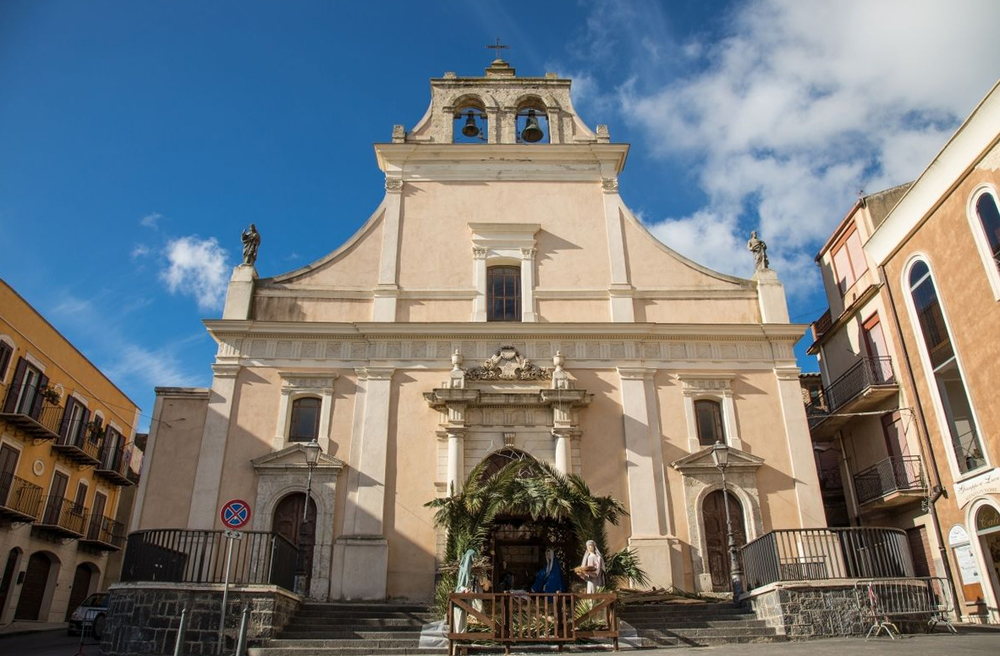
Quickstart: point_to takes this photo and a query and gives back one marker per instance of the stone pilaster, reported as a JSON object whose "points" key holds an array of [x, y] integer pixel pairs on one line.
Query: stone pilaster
{"points": [[212, 454]]}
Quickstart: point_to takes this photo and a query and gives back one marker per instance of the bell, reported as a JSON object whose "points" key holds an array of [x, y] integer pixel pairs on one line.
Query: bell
{"points": [[531, 133], [470, 129]]}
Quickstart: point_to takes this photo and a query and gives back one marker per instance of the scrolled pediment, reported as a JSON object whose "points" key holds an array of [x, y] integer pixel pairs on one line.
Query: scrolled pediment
{"points": [[508, 364]]}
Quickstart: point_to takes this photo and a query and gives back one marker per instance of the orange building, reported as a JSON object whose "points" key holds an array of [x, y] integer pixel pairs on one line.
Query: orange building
{"points": [[66, 454]]}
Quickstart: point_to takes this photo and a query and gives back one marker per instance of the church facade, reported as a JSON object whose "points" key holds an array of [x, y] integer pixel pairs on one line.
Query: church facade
{"points": [[501, 301]]}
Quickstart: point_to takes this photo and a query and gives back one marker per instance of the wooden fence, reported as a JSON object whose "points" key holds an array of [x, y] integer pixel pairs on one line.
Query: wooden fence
{"points": [[510, 618]]}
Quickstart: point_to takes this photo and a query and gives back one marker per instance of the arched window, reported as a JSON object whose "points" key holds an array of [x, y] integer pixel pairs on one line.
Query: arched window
{"points": [[532, 122], [989, 218], [709, 420], [947, 376], [305, 419], [503, 293], [470, 123]]}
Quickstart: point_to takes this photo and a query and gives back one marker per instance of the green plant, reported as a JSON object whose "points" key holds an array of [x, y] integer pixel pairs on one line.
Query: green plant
{"points": [[49, 394], [537, 489]]}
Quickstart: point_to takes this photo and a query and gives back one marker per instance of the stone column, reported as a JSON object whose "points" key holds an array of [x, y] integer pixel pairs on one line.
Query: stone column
{"points": [[456, 461], [205, 500], [387, 290], [528, 285], [564, 458], [650, 530], [479, 281], [800, 452], [361, 554]]}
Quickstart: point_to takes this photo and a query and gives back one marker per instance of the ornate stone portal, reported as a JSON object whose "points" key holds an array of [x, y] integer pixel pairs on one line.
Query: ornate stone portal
{"points": [[285, 472], [701, 478], [497, 412]]}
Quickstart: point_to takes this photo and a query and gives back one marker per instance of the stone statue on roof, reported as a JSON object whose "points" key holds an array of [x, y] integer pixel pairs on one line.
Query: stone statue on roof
{"points": [[251, 242], [759, 250]]}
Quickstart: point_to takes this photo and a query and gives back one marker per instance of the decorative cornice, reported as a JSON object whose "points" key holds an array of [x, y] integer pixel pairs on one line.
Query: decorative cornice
{"points": [[375, 373], [609, 185], [393, 185], [635, 373], [739, 461], [225, 370], [508, 364]]}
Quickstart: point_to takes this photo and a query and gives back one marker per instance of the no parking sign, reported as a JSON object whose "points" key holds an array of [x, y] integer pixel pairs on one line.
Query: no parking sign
{"points": [[235, 514]]}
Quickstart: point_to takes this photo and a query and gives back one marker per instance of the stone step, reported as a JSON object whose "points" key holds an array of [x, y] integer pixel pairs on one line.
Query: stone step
{"points": [[347, 634], [708, 632], [374, 643], [340, 651], [378, 607], [359, 621], [700, 624], [363, 612]]}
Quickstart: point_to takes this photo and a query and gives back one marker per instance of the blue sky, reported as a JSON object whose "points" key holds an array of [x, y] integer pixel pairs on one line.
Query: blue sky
{"points": [[137, 139]]}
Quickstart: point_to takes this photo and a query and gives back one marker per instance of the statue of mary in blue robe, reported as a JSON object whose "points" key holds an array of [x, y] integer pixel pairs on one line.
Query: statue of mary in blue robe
{"points": [[549, 578]]}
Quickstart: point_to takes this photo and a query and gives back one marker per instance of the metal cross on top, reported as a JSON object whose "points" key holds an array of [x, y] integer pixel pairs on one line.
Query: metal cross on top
{"points": [[498, 48]]}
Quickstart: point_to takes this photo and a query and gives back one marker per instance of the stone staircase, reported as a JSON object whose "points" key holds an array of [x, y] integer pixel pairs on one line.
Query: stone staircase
{"points": [[387, 629], [696, 624], [345, 629]]}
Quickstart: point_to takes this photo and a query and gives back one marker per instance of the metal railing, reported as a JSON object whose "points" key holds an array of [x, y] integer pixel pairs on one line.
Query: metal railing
{"points": [[61, 513], [106, 531], [866, 373], [19, 496], [881, 601], [894, 474], [77, 436], [113, 461], [187, 556], [24, 407], [826, 553]]}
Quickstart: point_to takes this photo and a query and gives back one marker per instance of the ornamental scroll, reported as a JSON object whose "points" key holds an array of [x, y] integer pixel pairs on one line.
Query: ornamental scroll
{"points": [[507, 364]]}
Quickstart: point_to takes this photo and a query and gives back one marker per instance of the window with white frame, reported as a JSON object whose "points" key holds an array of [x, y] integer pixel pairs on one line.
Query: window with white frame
{"points": [[984, 220], [6, 355], [305, 408], [948, 380], [710, 410]]}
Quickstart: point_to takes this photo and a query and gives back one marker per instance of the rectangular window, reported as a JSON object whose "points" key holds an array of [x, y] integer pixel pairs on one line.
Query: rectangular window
{"points": [[80, 503], [709, 418], [849, 261], [503, 293]]}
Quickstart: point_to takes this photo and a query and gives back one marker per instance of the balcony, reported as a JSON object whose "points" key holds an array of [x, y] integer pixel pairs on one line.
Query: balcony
{"points": [[104, 534], [822, 325], [62, 518], [112, 463], [891, 482], [78, 444], [19, 499], [26, 410], [862, 387]]}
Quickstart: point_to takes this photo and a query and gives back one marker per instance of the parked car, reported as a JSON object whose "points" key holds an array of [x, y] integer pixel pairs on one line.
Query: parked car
{"points": [[89, 616]]}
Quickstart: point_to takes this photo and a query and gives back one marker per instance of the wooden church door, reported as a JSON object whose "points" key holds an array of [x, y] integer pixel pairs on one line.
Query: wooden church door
{"points": [[716, 540]]}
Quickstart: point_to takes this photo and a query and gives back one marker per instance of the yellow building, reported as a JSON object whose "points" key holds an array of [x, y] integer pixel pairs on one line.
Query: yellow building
{"points": [[65, 455]]}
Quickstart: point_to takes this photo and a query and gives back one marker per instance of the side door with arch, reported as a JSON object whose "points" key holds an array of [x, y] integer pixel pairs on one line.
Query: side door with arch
{"points": [[716, 538]]}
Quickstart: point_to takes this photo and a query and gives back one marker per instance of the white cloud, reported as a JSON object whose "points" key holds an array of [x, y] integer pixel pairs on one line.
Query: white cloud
{"points": [[198, 268], [797, 107], [151, 221], [157, 367], [139, 251]]}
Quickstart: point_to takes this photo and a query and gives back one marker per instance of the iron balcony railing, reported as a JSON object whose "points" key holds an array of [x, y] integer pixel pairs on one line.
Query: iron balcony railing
{"points": [[865, 374], [113, 462], [19, 499], [895, 474], [187, 556], [63, 516], [826, 553], [77, 443], [25, 408], [105, 532]]}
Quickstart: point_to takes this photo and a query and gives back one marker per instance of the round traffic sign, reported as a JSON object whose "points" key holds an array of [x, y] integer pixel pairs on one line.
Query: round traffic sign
{"points": [[235, 514]]}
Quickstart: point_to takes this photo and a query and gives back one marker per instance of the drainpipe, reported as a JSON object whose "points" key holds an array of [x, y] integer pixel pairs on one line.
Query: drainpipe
{"points": [[937, 490]]}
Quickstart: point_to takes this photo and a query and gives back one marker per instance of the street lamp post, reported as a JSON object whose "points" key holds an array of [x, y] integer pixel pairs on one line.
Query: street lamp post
{"points": [[720, 456], [312, 451]]}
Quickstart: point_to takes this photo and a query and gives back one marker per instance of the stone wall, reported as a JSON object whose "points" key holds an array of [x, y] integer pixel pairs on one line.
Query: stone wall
{"points": [[809, 610], [143, 618]]}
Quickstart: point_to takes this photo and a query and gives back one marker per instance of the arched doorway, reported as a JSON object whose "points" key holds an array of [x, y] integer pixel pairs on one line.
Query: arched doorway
{"points": [[7, 579], [287, 522], [36, 594], [517, 543], [84, 582], [988, 531], [716, 539]]}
